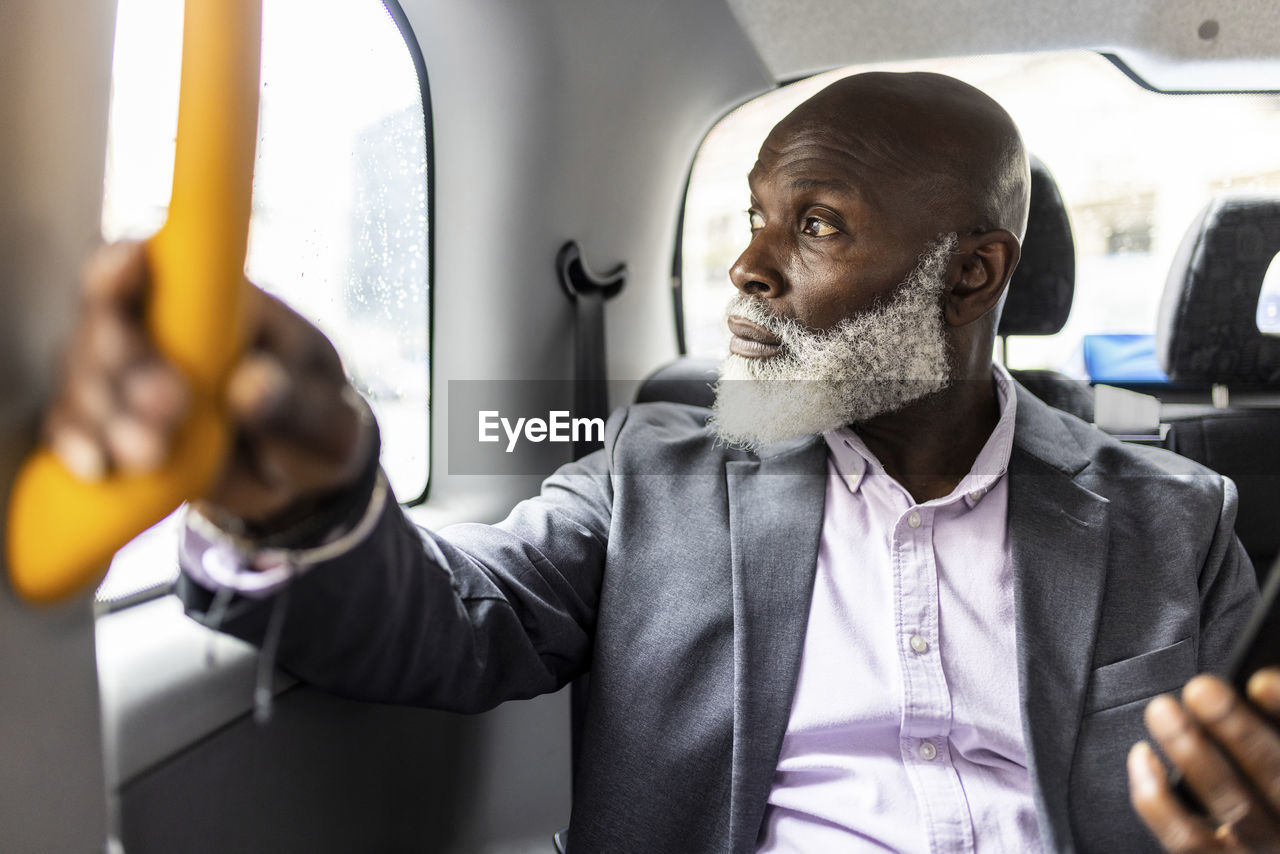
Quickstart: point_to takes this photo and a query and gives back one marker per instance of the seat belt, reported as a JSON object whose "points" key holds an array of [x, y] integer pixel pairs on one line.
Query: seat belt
{"points": [[588, 292]]}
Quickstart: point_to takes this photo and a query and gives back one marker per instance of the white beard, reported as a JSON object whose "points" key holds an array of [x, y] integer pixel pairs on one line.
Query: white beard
{"points": [[873, 363]]}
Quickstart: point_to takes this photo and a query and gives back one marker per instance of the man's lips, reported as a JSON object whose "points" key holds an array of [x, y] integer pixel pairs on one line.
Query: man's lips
{"points": [[752, 341]]}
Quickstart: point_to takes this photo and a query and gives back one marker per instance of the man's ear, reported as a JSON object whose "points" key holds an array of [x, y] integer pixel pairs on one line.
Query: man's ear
{"points": [[980, 268]]}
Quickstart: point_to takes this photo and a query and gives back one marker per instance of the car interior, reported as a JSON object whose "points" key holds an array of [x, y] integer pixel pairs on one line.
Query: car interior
{"points": [[498, 196]]}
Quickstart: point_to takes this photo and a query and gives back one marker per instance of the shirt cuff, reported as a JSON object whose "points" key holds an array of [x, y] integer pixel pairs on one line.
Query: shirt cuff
{"points": [[219, 560]]}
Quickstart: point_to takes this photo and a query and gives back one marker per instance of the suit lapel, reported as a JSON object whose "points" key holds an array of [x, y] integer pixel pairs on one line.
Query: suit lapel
{"points": [[1059, 534], [775, 519]]}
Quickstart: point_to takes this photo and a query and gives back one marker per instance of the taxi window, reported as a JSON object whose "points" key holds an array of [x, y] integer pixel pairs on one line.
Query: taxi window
{"points": [[1134, 167], [1268, 316], [339, 228]]}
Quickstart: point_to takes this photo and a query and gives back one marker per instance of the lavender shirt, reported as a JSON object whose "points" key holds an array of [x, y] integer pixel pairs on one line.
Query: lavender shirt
{"points": [[906, 729]]}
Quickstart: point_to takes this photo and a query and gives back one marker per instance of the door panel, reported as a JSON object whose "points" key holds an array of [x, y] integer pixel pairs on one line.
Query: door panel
{"points": [[55, 58]]}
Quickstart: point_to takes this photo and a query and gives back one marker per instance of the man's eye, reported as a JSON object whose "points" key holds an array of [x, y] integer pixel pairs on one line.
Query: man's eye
{"points": [[817, 227], [756, 220]]}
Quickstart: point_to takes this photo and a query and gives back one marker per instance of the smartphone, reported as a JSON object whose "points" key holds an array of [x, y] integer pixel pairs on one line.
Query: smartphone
{"points": [[1258, 647]]}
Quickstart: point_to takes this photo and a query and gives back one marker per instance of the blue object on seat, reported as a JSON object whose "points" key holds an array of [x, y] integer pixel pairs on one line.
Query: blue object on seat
{"points": [[1122, 358]]}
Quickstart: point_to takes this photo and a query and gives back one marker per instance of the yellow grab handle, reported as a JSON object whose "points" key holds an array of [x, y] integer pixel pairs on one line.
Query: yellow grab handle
{"points": [[63, 531]]}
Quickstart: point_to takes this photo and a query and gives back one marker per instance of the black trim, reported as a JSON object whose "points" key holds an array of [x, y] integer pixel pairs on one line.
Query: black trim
{"points": [[420, 66], [677, 266], [677, 259], [1119, 63]]}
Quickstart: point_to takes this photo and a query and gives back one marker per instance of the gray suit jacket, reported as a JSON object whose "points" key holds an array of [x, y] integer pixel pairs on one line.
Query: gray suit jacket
{"points": [[680, 573]]}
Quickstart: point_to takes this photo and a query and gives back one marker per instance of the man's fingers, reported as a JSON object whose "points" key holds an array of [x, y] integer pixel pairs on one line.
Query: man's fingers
{"points": [[135, 447], [89, 396], [116, 417], [156, 392], [259, 389], [117, 274], [1264, 691], [306, 429], [271, 473], [120, 402], [310, 472], [1211, 776], [77, 447], [251, 488], [119, 442], [1250, 741], [113, 341], [300, 430], [131, 412], [292, 339], [1177, 830], [313, 412]]}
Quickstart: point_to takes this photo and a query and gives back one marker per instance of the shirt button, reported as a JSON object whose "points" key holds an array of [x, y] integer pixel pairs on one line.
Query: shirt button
{"points": [[928, 752], [914, 520], [919, 644], [975, 496]]}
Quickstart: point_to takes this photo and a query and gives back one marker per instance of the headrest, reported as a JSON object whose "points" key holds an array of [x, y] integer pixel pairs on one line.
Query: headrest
{"points": [[686, 380], [1208, 328], [1044, 281]]}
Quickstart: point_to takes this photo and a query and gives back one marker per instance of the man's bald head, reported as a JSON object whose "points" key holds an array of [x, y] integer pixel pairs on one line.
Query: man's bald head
{"points": [[944, 143], [850, 194]]}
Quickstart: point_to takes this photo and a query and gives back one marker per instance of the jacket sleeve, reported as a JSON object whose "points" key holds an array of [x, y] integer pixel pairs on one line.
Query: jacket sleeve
{"points": [[460, 620], [1228, 589]]}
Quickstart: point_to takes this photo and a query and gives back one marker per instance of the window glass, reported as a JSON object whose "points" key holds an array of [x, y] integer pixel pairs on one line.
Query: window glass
{"points": [[1134, 168], [1269, 299], [339, 223]]}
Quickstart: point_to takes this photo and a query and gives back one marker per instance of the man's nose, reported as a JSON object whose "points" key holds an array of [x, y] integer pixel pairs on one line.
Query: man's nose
{"points": [[756, 272]]}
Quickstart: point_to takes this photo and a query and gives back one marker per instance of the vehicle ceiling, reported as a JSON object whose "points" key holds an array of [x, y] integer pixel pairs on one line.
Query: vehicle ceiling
{"points": [[1174, 44]]}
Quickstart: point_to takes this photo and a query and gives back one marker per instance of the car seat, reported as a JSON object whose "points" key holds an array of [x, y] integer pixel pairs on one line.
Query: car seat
{"points": [[1208, 333]]}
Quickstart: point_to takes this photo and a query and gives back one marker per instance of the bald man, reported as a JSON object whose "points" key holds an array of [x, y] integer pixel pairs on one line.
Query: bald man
{"points": [[879, 598]]}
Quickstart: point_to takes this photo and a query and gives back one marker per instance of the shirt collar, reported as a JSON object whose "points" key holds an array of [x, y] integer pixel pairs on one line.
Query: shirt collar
{"points": [[854, 460]]}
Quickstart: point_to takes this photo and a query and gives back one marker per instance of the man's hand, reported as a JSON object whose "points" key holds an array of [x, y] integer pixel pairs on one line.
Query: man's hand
{"points": [[299, 430], [1230, 757]]}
